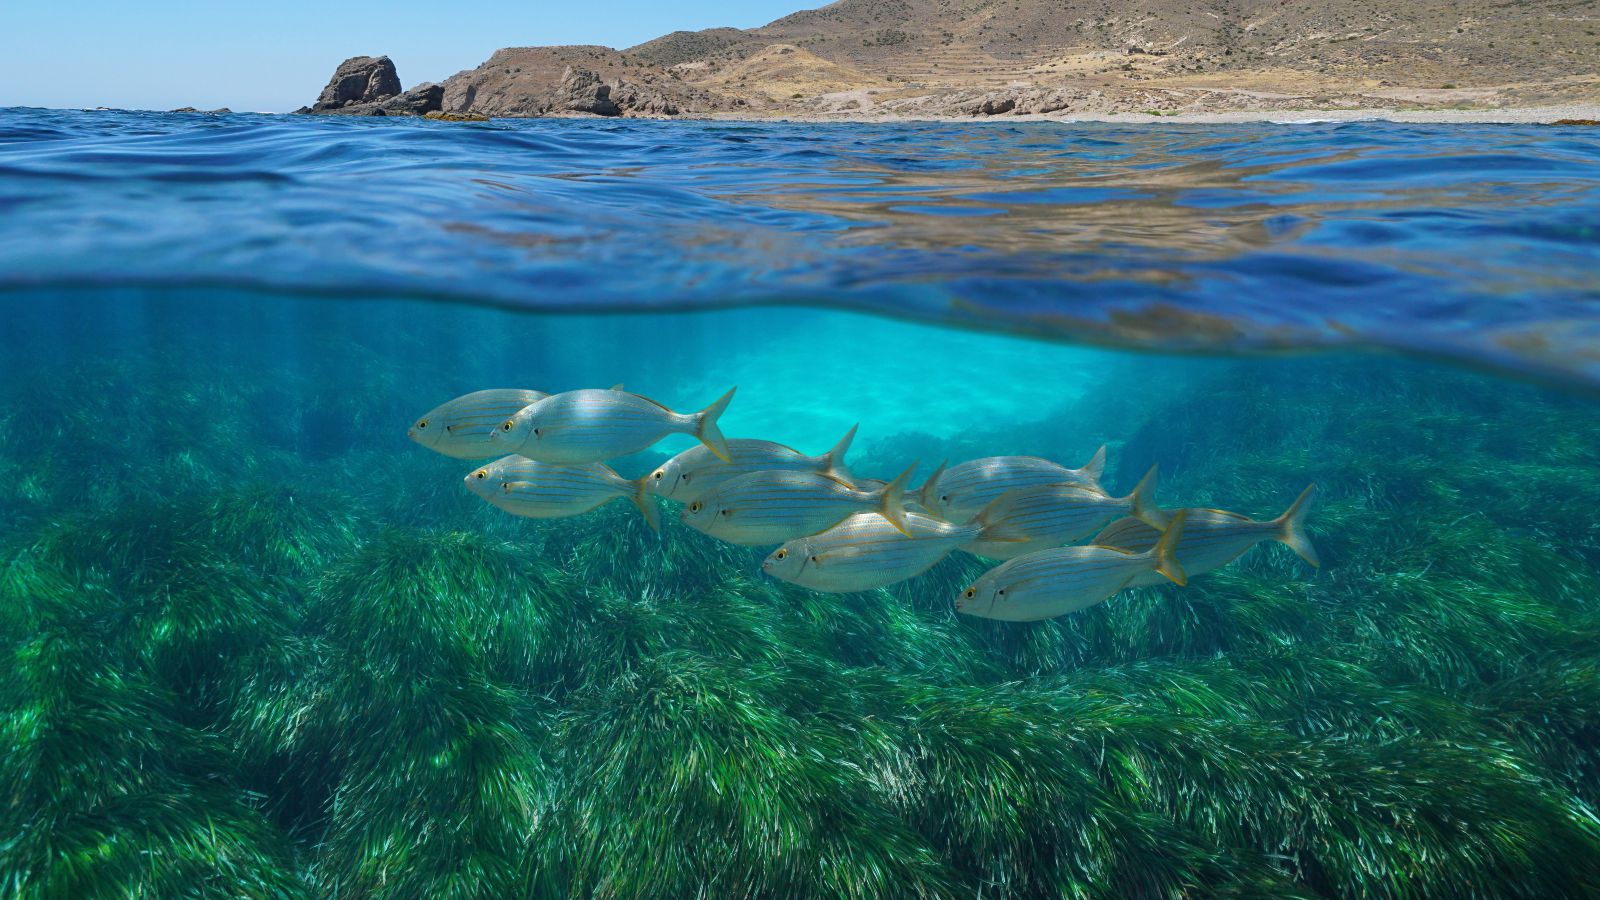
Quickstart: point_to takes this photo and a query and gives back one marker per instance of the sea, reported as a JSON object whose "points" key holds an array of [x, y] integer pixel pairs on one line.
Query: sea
{"points": [[254, 641]]}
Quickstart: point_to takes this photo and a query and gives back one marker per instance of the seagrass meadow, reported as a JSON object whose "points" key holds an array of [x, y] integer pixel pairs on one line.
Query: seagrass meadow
{"points": [[254, 643]]}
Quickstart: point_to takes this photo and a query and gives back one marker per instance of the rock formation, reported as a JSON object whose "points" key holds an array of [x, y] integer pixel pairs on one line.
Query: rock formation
{"points": [[857, 58], [370, 86]]}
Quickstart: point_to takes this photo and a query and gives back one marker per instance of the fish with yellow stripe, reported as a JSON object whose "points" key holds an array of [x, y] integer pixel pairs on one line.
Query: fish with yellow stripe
{"points": [[461, 428], [592, 426], [541, 490], [1215, 537], [1031, 519], [771, 507], [958, 493], [1052, 583], [697, 472], [867, 551]]}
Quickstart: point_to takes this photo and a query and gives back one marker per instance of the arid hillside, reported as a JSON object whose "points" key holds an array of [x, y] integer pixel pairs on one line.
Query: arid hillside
{"points": [[995, 57]]}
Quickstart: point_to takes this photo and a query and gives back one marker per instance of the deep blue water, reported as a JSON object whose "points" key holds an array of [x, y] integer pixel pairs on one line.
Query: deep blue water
{"points": [[1478, 243]]}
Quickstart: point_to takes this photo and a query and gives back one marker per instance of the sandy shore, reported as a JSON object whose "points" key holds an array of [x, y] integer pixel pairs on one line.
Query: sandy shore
{"points": [[1508, 115]]}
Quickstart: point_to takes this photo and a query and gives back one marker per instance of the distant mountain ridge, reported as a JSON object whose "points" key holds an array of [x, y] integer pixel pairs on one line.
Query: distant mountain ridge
{"points": [[995, 57]]}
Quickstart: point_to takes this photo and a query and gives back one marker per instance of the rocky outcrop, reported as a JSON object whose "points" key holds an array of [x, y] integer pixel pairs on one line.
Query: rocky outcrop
{"points": [[580, 80], [359, 80], [582, 91], [370, 86]]}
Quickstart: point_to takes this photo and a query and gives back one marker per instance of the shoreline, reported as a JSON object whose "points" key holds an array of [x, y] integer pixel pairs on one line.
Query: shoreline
{"points": [[1510, 115]]}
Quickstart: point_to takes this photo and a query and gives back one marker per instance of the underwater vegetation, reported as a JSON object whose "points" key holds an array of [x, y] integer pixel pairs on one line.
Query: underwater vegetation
{"points": [[227, 672]]}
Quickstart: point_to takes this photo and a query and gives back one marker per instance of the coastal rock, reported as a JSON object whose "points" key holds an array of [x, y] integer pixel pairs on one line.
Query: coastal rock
{"points": [[583, 91], [370, 86], [359, 80], [419, 101], [442, 116]]}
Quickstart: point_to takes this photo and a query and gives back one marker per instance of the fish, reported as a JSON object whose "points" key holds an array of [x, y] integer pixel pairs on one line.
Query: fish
{"points": [[1053, 583], [958, 493], [867, 551], [592, 426], [1216, 537], [697, 471], [1031, 519], [540, 490], [460, 428], [768, 508]]}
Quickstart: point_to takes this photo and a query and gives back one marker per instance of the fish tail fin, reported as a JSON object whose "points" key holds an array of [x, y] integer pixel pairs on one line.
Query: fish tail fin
{"points": [[1142, 503], [1291, 527], [646, 502], [930, 487], [835, 457], [1095, 468], [892, 501], [706, 427], [1165, 550]]}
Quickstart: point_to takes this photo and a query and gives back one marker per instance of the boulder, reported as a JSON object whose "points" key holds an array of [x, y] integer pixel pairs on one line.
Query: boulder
{"points": [[359, 80], [370, 86], [419, 101]]}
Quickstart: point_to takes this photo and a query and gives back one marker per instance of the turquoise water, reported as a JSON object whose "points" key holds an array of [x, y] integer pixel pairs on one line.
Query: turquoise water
{"points": [[253, 641]]}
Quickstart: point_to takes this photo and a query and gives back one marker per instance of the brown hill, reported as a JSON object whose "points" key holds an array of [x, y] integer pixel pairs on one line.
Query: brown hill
{"points": [[1004, 56]]}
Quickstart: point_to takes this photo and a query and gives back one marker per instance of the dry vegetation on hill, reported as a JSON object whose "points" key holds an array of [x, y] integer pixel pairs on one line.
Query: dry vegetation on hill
{"points": [[954, 57]]}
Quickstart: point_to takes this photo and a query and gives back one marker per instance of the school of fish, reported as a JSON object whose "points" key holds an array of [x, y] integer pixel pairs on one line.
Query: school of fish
{"points": [[838, 533]]}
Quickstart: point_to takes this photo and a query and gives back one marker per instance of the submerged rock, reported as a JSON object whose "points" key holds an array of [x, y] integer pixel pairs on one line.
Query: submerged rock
{"points": [[442, 116]]}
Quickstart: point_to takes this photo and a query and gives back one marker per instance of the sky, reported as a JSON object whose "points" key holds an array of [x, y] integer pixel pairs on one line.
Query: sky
{"points": [[275, 56]]}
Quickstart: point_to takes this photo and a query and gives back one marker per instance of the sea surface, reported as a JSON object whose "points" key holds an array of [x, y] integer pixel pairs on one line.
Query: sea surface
{"points": [[256, 642]]}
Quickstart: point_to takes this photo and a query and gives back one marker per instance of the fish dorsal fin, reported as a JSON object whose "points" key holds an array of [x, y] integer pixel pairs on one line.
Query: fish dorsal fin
{"points": [[617, 387]]}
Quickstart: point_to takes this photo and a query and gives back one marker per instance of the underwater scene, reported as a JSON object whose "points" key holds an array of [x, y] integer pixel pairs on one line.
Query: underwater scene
{"points": [[1004, 571]]}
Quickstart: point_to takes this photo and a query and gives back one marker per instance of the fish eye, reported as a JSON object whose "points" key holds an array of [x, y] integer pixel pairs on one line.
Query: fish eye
{"points": [[781, 553], [506, 426], [422, 424], [658, 474], [969, 593], [481, 474], [695, 506]]}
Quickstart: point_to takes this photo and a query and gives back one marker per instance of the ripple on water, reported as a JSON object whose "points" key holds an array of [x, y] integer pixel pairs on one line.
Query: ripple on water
{"points": [[1474, 242]]}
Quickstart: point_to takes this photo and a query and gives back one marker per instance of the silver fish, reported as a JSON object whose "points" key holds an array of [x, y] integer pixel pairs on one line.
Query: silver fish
{"points": [[539, 490], [957, 494], [697, 472], [1031, 519], [1214, 537], [590, 426], [461, 427], [867, 551], [767, 508], [1053, 583]]}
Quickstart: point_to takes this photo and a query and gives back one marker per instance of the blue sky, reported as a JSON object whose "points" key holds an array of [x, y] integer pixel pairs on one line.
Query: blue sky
{"points": [[275, 56]]}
